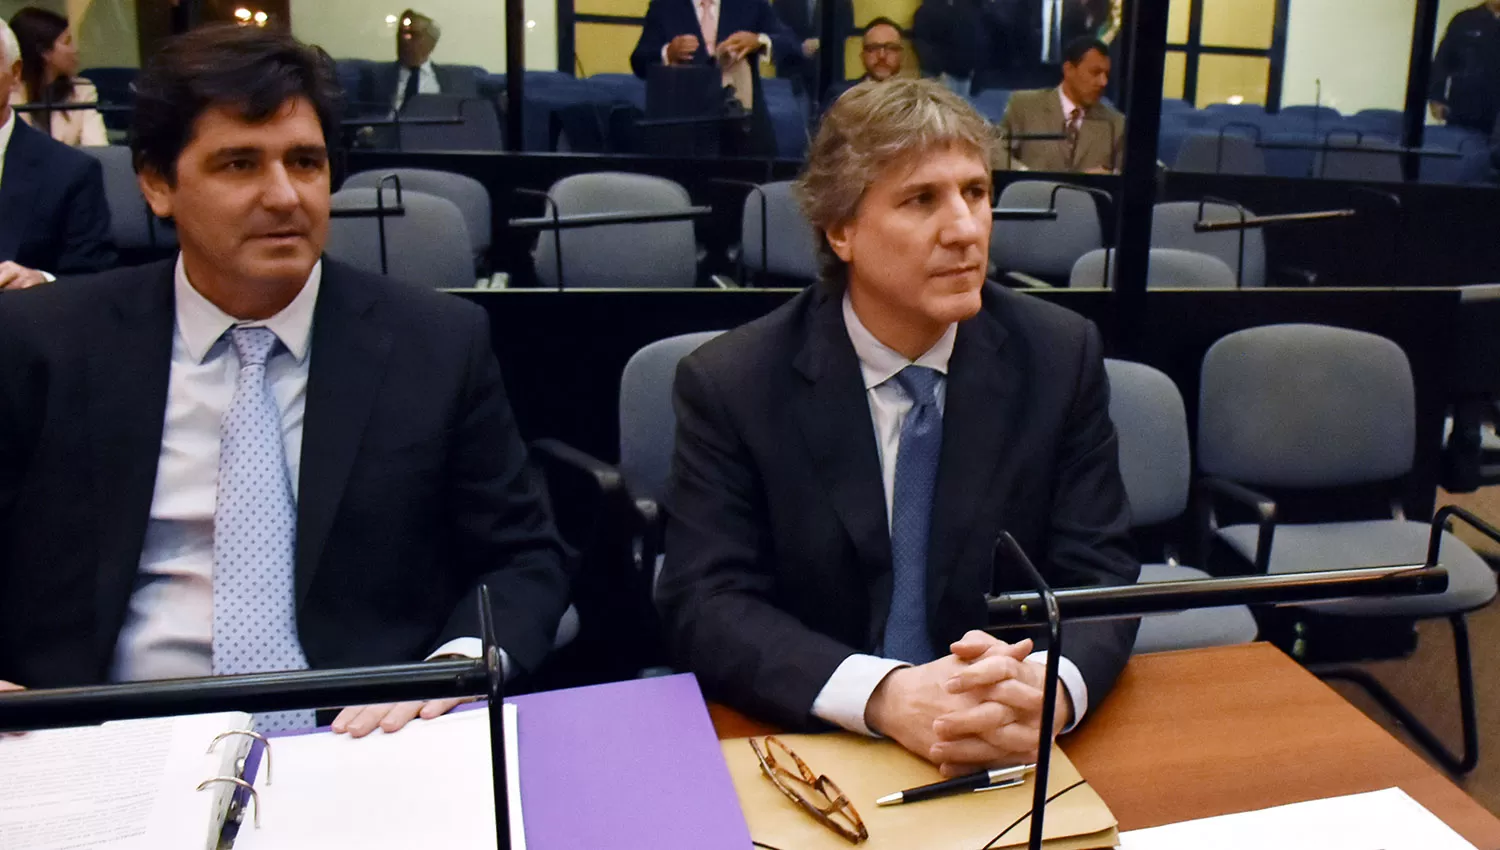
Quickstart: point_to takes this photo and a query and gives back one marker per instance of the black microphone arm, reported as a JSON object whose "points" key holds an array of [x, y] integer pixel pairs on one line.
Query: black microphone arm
{"points": [[1262, 221], [1044, 605]]}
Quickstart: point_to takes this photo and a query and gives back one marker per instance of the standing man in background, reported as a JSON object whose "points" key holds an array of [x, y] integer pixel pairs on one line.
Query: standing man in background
{"points": [[1465, 89], [1091, 132], [805, 19], [949, 37]]}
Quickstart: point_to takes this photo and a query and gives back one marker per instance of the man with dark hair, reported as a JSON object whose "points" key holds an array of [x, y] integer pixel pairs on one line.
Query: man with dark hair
{"points": [[250, 458], [844, 465], [881, 52], [53, 215], [391, 86], [1080, 132], [1465, 88]]}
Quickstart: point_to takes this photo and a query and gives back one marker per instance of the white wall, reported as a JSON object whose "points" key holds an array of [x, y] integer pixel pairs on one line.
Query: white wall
{"points": [[1360, 49], [473, 30]]}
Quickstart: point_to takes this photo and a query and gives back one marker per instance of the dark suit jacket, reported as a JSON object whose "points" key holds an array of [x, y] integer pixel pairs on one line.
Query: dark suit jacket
{"points": [[778, 563], [667, 19], [378, 84], [1101, 136], [807, 23], [53, 215], [415, 487]]}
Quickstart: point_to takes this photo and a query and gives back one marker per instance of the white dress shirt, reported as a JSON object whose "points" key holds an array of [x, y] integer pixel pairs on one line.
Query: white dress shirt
{"points": [[427, 83], [843, 700], [168, 631], [6, 130]]}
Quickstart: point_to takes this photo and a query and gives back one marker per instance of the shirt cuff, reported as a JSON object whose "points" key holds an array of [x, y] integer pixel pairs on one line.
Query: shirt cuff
{"points": [[473, 647], [664, 59], [48, 275], [843, 699], [1078, 692]]}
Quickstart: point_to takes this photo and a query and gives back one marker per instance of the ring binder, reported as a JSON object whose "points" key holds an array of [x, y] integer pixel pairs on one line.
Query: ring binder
{"points": [[249, 733], [254, 795]]}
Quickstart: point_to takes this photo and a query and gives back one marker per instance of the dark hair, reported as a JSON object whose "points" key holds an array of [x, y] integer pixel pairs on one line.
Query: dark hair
{"points": [[36, 31], [1075, 50], [885, 22], [252, 69]]}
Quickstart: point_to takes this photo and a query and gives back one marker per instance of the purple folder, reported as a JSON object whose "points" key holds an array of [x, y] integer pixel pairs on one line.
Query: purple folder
{"points": [[626, 765]]}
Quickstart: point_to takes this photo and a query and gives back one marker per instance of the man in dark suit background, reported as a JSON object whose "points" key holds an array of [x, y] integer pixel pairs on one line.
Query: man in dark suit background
{"points": [[388, 87], [253, 459], [844, 465], [1465, 87], [805, 19], [53, 215]]}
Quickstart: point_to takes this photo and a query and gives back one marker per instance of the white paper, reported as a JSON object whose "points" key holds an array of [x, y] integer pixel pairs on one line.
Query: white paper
{"points": [[429, 785], [1377, 820], [128, 785], [511, 722]]}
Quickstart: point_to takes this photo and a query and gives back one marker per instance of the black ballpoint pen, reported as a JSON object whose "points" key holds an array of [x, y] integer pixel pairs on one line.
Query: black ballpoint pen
{"points": [[984, 780]]}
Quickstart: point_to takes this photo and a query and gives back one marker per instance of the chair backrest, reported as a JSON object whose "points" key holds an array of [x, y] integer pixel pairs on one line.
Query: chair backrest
{"points": [[1374, 161], [1172, 227], [648, 425], [790, 244], [991, 103], [1220, 153], [478, 128], [466, 193], [1170, 268], [1306, 406], [1323, 114], [658, 254], [132, 225], [1047, 248], [1151, 423], [427, 245]]}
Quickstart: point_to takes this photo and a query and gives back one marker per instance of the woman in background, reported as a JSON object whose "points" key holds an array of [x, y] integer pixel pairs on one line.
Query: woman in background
{"points": [[49, 74]]}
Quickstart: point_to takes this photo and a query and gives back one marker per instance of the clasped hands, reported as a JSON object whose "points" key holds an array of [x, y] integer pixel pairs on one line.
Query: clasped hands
{"points": [[978, 708], [731, 50]]}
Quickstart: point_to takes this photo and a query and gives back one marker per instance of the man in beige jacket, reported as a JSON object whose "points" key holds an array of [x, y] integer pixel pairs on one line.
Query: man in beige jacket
{"points": [[1082, 133]]}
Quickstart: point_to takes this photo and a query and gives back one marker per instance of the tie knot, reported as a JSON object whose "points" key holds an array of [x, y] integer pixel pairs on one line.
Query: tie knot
{"points": [[920, 383], [253, 345], [1075, 116]]}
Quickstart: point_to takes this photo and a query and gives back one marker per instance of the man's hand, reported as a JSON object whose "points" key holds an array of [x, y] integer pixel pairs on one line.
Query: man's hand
{"points": [[1438, 109], [361, 720], [810, 48], [907, 704], [1008, 714], [738, 46], [681, 49], [16, 276], [10, 686]]}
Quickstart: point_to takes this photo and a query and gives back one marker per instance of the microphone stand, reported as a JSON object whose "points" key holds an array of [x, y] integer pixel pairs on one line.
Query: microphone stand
{"points": [[1043, 605], [1239, 271], [379, 212]]}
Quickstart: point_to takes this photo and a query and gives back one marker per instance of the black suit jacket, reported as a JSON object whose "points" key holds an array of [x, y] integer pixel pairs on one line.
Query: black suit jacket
{"points": [[378, 84], [415, 486], [53, 215], [807, 23], [778, 554]]}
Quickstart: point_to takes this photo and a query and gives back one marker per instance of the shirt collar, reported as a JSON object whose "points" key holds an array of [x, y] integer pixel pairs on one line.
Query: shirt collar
{"points": [[879, 362], [1067, 103], [202, 323], [6, 130]]}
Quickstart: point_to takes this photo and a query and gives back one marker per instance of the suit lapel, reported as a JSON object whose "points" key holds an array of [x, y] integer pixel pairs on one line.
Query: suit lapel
{"points": [[128, 370], [834, 416], [978, 417], [349, 349], [18, 185], [1052, 120]]}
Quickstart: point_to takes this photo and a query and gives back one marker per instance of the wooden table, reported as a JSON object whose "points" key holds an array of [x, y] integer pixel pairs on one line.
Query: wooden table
{"points": [[1206, 732]]}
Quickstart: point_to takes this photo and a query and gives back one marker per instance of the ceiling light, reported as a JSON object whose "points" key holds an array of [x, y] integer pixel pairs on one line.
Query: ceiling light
{"points": [[242, 13]]}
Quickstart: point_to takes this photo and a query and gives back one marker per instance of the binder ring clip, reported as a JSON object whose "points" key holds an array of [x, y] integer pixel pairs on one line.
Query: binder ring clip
{"points": [[265, 744], [254, 795]]}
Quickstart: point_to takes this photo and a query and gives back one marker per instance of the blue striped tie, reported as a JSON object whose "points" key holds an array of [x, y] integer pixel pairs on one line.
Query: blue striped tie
{"points": [[906, 635], [255, 534]]}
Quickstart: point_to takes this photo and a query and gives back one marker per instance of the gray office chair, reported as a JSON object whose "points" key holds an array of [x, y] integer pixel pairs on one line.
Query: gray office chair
{"points": [[477, 127], [790, 244], [466, 193], [1214, 153], [132, 225], [1366, 161], [1169, 269], [1045, 249], [657, 254], [427, 245], [1151, 424], [1172, 227], [1302, 407]]}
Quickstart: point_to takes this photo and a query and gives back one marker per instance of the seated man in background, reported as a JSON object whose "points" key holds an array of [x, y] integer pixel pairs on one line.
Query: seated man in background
{"points": [[880, 53], [250, 459], [1088, 132], [844, 465], [53, 215], [390, 86]]}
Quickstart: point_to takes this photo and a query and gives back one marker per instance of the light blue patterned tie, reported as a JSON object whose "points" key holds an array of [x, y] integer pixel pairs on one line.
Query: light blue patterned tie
{"points": [[255, 534], [906, 635]]}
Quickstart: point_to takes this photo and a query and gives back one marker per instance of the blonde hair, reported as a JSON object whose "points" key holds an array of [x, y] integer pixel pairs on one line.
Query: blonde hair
{"points": [[871, 128]]}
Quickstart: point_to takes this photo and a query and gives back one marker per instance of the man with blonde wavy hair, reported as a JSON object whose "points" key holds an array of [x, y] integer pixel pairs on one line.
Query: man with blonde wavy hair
{"points": [[844, 465]]}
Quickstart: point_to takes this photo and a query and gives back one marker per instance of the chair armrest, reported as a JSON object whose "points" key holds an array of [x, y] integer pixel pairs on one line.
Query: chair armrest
{"points": [[721, 281], [1026, 281], [1265, 512], [1440, 524]]}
